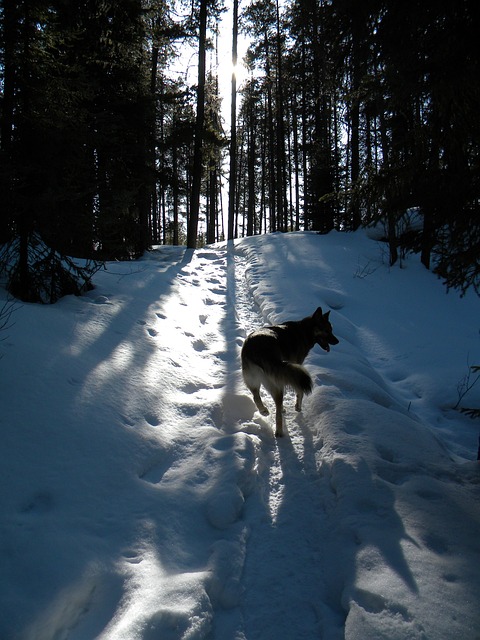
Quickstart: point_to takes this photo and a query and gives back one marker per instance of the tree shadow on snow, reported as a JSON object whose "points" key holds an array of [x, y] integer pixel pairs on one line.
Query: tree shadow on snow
{"points": [[103, 506], [328, 515]]}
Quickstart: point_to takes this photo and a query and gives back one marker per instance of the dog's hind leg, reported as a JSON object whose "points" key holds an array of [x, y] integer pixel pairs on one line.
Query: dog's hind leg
{"points": [[258, 400], [278, 397], [298, 403]]}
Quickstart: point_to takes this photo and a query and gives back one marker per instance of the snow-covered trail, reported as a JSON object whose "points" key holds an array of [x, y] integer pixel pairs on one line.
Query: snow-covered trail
{"points": [[261, 501], [283, 592], [192, 574], [143, 497]]}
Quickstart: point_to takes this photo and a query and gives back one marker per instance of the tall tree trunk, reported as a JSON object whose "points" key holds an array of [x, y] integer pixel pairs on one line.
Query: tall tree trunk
{"points": [[155, 206], [355, 165], [192, 230], [233, 129], [296, 163], [280, 137], [304, 141], [212, 205], [355, 125], [390, 213], [10, 35], [175, 195], [251, 172], [26, 213], [272, 184]]}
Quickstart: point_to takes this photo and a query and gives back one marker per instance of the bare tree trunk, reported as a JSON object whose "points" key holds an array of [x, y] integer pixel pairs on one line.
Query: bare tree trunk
{"points": [[354, 206], [175, 195], [296, 163], [272, 184], [233, 129], [212, 205], [251, 173], [282, 207], [192, 230], [10, 35]]}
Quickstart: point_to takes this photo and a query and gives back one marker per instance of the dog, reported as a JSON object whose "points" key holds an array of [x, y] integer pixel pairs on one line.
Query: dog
{"points": [[273, 356]]}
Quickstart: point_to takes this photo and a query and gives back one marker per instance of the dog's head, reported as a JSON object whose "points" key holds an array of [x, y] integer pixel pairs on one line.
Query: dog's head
{"points": [[322, 329]]}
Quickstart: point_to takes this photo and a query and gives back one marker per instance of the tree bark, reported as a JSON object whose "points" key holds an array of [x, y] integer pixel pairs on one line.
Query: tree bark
{"points": [[192, 230], [233, 129]]}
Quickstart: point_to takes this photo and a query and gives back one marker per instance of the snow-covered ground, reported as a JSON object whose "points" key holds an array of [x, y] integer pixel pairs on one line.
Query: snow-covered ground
{"points": [[144, 498]]}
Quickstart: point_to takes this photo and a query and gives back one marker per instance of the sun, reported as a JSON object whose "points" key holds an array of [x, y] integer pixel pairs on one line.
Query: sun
{"points": [[241, 73]]}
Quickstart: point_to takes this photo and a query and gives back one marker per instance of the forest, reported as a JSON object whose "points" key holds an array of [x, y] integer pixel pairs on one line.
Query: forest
{"points": [[352, 113]]}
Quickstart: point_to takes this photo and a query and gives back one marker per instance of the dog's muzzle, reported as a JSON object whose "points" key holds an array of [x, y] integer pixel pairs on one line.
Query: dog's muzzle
{"points": [[326, 342]]}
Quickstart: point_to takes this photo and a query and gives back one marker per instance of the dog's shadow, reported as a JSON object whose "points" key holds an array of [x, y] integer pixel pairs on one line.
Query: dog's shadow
{"points": [[347, 491]]}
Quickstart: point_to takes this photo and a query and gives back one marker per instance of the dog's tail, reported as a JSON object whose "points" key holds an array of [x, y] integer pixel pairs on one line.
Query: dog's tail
{"points": [[287, 374], [296, 377]]}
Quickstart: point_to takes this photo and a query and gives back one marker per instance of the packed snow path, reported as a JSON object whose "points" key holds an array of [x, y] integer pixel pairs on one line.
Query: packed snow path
{"points": [[144, 498]]}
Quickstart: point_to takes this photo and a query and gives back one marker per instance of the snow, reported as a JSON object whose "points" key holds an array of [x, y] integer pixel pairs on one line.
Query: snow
{"points": [[143, 497]]}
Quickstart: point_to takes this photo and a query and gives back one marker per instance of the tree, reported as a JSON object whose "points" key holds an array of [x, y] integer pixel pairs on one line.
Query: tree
{"points": [[192, 231], [233, 127]]}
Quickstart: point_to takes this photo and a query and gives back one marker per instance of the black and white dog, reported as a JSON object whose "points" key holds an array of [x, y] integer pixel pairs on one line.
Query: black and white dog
{"points": [[273, 356]]}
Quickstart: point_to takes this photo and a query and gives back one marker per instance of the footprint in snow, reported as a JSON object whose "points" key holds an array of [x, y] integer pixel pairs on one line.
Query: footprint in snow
{"points": [[155, 472], [393, 474], [207, 256], [192, 387], [352, 428], [429, 495], [386, 454], [152, 332], [152, 419], [436, 543], [127, 421], [225, 507], [132, 556], [199, 345]]}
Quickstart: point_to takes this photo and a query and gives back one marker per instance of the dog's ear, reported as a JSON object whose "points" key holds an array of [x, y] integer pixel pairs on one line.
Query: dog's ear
{"points": [[318, 315]]}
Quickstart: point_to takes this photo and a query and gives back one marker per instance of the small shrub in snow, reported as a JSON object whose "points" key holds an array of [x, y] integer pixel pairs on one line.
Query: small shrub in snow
{"points": [[39, 273]]}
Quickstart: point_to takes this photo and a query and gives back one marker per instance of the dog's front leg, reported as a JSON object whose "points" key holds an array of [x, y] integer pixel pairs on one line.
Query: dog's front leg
{"points": [[298, 403]]}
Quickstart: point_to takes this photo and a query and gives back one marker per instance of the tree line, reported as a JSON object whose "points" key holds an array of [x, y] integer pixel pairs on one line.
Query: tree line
{"points": [[356, 113], [353, 113], [98, 152]]}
